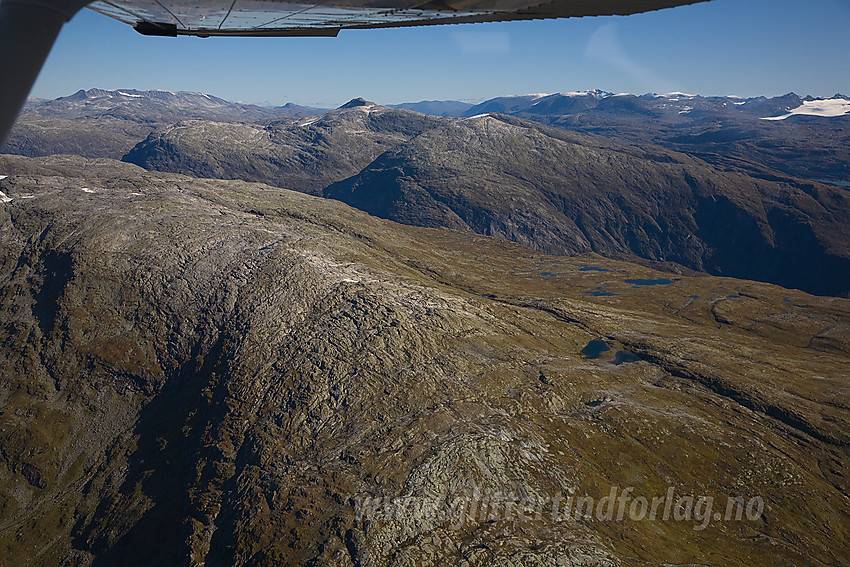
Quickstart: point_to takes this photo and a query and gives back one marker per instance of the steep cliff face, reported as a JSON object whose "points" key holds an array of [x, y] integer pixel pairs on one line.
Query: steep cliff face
{"points": [[563, 192], [225, 373]]}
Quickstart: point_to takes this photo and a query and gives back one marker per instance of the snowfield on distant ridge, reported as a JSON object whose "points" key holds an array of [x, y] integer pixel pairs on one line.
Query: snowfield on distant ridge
{"points": [[829, 108]]}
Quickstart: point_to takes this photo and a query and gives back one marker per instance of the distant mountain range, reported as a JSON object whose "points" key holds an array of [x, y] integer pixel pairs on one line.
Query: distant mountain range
{"points": [[160, 106], [157, 106], [108, 123], [679, 103], [801, 136], [777, 108]]}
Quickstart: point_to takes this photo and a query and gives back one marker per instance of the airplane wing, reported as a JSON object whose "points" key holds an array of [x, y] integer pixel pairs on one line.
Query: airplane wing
{"points": [[28, 28], [328, 17]]}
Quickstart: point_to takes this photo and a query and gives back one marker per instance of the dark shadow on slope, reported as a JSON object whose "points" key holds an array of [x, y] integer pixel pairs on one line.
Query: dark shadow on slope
{"points": [[163, 468], [57, 271]]}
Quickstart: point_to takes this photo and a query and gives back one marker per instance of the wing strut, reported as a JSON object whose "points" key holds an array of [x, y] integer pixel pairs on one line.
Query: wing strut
{"points": [[28, 29]]}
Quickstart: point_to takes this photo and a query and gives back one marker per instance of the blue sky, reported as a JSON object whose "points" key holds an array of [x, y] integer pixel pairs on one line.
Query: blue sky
{"points": [[741, 47]]}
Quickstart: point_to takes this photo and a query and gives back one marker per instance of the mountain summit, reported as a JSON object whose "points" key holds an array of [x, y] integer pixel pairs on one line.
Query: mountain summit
{"points": [[355, 102]]}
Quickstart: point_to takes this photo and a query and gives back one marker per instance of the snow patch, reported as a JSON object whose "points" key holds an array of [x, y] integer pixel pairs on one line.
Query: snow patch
{"points": [[86, 190], [829, 108], [595, 93], [122, 93], [485, 115], [4, 198], [534, 96], [369, 108], [3, 177], [347, 280], [138, 194]]}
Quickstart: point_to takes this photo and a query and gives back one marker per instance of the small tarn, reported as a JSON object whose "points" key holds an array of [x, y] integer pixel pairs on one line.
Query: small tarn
{"points": [[594, 349]]}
